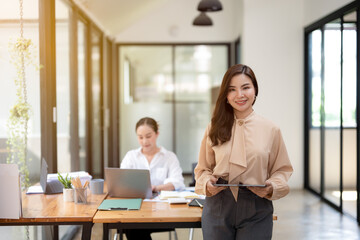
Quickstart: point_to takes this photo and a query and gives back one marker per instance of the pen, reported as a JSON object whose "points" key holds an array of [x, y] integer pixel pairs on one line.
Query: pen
{"points": [[200, 205], [117, 208]]}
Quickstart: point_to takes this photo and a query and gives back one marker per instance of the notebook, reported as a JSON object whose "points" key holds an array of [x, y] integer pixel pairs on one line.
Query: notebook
{"points": [[128, 183], [46, 186]]}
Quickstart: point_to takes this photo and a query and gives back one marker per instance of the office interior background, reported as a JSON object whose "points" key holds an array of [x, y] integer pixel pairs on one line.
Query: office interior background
{"points": [[105, 64]]}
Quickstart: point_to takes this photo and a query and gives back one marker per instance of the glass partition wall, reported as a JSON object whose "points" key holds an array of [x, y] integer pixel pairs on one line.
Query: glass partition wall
{"points": [[174, 84], [331, 123], [66, 94]]}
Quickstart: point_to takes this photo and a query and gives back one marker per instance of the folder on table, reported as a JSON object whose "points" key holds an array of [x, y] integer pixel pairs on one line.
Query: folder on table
{"points": [[121, 204]]}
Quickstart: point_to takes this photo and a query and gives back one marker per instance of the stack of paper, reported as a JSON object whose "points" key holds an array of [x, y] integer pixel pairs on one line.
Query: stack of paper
{"points": [[84, 176], [175, 194]]}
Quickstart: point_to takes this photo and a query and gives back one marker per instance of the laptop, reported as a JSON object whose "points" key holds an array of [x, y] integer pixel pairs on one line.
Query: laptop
{"points": [[128, 183], [47, 186]]}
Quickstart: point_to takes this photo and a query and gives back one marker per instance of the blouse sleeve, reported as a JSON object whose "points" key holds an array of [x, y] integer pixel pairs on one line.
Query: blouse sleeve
{"points": [[128, 161], [280, 168], [175, 173], [205, 165]]}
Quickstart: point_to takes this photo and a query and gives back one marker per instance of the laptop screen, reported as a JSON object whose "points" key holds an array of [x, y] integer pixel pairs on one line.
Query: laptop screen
{"points": [[128, 183]]}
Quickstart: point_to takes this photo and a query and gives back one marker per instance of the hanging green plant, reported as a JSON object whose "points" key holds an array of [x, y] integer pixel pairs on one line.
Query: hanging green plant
{"points": [[20, 112], [22, 55]]}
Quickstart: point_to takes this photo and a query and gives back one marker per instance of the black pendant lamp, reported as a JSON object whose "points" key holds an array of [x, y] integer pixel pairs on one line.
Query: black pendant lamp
{"points": [[209, 6], [202, 20]]}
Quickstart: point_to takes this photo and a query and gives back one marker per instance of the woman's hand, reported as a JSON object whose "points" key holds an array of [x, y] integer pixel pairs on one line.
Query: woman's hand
{"points": [[210, 188], [266, 191], [165, 187]]}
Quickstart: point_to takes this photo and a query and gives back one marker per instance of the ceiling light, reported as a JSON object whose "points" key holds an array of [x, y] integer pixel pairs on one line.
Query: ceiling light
{"points": [[202, 20], [209, 6]]}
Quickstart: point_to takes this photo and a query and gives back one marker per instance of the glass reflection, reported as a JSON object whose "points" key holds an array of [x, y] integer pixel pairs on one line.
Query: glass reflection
{"points": [[315, 39], [63, 87], [184, 102], [332, 109]]}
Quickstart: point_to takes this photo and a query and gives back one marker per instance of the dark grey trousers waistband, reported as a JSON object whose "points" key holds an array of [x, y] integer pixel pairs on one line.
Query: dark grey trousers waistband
{"points": [[225, 218]]}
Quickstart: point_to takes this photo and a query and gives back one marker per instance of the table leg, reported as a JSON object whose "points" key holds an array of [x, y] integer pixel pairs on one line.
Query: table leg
{"points": [[105, 231], [86, 231], [120, 232], [56, 232]]}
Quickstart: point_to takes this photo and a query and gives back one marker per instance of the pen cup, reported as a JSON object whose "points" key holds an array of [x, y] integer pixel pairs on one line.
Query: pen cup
{"points": [[97, 186], [80, 196]]}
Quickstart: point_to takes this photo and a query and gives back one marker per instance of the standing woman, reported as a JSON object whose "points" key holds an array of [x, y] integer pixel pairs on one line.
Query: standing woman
{"points": [[240, 147]]}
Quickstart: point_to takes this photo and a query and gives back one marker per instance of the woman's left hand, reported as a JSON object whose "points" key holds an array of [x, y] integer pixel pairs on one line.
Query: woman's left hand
{"points": [[263, 191]]}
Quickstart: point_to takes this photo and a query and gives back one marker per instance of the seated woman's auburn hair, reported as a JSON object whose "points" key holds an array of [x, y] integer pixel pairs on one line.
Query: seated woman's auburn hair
{"points": [[223, 115]]}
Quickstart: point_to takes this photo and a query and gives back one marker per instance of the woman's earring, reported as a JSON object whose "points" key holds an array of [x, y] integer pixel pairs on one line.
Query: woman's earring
{"points": [[227, 101]]}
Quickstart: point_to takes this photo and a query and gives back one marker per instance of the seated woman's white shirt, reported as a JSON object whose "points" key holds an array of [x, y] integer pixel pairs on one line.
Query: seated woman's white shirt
{"points": [[164, 167]]}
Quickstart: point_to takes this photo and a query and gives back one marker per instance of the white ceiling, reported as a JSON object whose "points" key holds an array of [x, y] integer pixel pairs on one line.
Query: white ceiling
{"points": [[116, 15], [162, 20]]}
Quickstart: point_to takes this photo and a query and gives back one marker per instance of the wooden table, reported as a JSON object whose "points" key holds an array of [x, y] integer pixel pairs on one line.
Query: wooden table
{"points": [[42, 209], [151, 215]]}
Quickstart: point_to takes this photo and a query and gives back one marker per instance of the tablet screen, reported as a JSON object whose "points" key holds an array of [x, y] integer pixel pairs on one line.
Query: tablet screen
{"points": [[238, 185]]}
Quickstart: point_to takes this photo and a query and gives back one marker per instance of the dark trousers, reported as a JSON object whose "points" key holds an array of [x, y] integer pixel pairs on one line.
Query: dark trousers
{"points": [[142, 234], [133, 234], [251, 217]]}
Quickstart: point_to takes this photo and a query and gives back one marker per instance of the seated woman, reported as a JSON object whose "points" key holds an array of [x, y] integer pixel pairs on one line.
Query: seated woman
{"points": [[165, 170]]}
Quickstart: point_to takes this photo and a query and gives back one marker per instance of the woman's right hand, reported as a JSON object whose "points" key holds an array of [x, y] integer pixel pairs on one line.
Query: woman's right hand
{"points": [[211, 189]]}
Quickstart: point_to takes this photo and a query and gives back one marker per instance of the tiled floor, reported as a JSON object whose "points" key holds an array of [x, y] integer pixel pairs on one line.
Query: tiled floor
{"points": [[301, 215]]}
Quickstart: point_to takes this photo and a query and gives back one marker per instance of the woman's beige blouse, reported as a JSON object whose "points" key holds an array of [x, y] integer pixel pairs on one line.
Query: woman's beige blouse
{"points": [[255, 153]]}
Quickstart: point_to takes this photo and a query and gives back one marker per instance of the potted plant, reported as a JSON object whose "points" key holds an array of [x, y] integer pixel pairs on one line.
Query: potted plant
{"points": [[68, 191]]}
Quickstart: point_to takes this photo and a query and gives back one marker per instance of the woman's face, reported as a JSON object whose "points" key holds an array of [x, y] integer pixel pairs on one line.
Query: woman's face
{"points": [[241, 95], [147, 138]]}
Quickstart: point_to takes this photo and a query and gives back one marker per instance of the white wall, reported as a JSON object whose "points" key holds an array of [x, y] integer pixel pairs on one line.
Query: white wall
{"points": [[272, 44], [272, 33]]}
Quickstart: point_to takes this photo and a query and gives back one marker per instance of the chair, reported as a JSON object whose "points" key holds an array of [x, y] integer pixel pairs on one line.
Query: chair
{"points": [[192, 184]]}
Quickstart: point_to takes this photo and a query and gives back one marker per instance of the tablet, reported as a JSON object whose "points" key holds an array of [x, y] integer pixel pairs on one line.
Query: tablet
{"points": [[238, 185]]}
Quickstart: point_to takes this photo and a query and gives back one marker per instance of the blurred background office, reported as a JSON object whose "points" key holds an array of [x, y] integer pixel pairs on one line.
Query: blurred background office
{"points": [[105, 64]]}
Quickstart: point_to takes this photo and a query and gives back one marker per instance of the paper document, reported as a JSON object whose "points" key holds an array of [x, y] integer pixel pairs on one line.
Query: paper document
{"points": [[10, 197], [35, 189], [84, 176], [177, 194]]}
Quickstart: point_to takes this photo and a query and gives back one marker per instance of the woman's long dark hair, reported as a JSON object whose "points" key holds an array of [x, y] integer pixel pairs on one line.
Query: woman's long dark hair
{"points": [[223, 115]]}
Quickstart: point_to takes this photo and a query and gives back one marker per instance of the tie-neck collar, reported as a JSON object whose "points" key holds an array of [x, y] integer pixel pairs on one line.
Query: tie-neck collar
{"points": [[241, 121]]}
